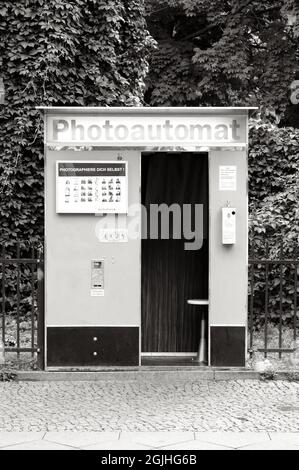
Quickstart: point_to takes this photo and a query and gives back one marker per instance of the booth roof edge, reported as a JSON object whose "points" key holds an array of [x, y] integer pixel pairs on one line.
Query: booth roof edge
{"points": [[147, 110]]}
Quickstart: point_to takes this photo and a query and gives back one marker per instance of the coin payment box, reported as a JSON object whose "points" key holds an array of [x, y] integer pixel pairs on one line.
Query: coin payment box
{"points": [[228, 226]]}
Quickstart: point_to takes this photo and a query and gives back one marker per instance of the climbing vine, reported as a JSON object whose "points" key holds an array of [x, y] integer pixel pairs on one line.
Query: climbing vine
{"points": [[63, 53]]}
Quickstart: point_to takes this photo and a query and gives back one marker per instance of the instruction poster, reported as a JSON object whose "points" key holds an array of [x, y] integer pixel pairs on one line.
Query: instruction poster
{"points": [[227, 178], [93, 187]]}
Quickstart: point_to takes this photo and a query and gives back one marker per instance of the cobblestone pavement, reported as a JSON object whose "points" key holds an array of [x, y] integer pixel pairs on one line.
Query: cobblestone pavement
{"points": [[153, 405]]}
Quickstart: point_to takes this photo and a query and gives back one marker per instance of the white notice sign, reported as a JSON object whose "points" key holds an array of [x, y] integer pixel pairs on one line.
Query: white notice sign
{"points": [[91, 187], [97, 292], [227, 178]]}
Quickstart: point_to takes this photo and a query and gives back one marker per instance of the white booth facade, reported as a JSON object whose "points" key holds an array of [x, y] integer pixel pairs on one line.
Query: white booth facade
{"points": [[114, 297]]}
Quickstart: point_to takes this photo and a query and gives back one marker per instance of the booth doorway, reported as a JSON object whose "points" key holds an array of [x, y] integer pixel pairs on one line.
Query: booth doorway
{"points": [[171, 274]]}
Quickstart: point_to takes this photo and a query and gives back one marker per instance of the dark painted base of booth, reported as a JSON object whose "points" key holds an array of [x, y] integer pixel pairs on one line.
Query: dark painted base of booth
{"points": [[92, 346], [228, 346], [119, 346]]}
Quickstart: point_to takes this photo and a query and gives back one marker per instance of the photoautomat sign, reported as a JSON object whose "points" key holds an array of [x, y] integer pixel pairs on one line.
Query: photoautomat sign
{"points": [[100, 130], [91, 187]]}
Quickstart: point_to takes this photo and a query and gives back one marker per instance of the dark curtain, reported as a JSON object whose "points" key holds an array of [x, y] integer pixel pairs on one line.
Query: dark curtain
{"points": [[170, 274]]}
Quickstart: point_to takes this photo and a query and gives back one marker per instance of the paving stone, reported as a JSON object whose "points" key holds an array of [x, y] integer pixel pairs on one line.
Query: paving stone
{"points": [[123, 444], [157, 439], [10, 438], [195, 445], [292, 438], [38, 445], [271, 445], [79, 439], [233, 439]]}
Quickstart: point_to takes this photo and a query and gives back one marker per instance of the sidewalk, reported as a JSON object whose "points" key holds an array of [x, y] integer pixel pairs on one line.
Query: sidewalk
{"points": [[148, 441], [156, 412]]}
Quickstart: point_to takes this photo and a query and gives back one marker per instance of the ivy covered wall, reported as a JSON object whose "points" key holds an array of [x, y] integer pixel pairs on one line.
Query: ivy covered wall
{"points": [[63, 53]]}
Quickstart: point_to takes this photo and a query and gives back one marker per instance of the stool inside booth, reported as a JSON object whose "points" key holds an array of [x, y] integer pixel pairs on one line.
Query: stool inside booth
{"points": [[171, 274], [202, 355]]}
